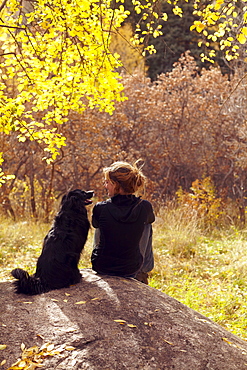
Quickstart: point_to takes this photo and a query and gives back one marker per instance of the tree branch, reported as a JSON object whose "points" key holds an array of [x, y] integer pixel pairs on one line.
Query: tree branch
{"points": [[3, 5]]}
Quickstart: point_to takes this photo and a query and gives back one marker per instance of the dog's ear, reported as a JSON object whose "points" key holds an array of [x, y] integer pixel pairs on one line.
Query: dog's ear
{"points": [[89, 194], [67, 200], [63, 199], [71, 201]]}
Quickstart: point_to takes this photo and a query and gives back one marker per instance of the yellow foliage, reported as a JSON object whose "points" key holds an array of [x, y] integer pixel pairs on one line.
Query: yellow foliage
{"points": [[202, 200], [130, 55], [64, 63], [57, 58], [222, 19]]}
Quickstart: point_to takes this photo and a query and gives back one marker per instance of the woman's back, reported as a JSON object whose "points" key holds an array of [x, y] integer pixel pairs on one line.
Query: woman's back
{"points": [[121, 221]]}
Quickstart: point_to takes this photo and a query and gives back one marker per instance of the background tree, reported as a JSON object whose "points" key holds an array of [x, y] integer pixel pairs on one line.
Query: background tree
{"points": [[176, 39]]}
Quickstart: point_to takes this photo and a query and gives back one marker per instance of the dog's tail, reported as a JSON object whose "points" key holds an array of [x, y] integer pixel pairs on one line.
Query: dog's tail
{"points": [[27, 284]]}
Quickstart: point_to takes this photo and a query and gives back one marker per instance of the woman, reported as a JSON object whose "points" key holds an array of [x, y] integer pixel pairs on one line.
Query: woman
{"points": [[123, 235]]}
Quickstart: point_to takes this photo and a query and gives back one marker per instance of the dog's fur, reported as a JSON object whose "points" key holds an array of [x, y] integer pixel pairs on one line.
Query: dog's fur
{"points": [[57, 266]]}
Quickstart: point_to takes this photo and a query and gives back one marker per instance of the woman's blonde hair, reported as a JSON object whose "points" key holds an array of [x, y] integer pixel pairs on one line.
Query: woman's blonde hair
{"points": [[126, 176]]}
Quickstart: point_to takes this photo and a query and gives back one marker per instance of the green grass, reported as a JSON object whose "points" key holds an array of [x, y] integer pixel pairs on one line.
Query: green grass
{"points": [[205, 270]]}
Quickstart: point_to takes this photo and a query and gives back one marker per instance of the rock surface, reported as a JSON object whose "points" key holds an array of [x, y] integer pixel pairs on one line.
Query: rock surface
{"points": [[114, 323]]}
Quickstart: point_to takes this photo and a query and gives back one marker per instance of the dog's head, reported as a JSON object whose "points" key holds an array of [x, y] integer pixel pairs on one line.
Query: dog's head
{"points": [[77, 196]]}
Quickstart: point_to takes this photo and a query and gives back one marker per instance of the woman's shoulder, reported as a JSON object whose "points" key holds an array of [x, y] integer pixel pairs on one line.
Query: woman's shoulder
{"points": [[146, 203], [97, 211], [149, 210], [102, 204]]}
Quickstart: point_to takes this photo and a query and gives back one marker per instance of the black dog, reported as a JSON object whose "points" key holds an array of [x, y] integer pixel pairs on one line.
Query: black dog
{"points": [[57, 266]]}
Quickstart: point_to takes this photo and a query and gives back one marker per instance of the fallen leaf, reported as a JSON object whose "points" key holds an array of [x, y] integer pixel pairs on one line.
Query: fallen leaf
{"points": [[23, 346], [33, 357], [30, 351], [120, 321], [27, 302], [65, 300], [61, 348], [94, 299], [3, 363], [69, 348], [168, 342], [131, 326], [44, 346], [203, 320], [81, 302], [226, 340], [67, 294], [54, 300], [22, 364], [3, 346], [50, 347], [148, 323], [40, 336]]}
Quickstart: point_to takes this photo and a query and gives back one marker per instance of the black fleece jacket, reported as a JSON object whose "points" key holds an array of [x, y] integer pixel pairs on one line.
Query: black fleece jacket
{"points": [[121, 222]]}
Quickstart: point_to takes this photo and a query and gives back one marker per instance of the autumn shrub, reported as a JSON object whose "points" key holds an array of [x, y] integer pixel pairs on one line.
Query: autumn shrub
{"points": [[203, 202]]}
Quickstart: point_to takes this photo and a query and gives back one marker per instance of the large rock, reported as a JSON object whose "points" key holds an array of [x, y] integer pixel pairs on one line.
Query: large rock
{"points": [[114, 323]]}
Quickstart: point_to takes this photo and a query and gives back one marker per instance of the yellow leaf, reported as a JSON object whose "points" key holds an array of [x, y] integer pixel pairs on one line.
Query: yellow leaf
{"points": [[22, 364], [168, 342], [148, 323], [70, 348], [131, 326], [44, 346], [81, 302], [40, 336], [226, 340], [241, 38], [23, 346], [65, 300], [120, 321], [164, 17], [244, 31], [3, 346], [54, 300], [50, 347], [3, 363], [67, 294], [199, 26], [94, 299]]}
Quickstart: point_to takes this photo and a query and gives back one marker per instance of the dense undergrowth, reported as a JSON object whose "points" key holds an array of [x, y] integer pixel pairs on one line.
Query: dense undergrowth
{"points": [[204, 269]]}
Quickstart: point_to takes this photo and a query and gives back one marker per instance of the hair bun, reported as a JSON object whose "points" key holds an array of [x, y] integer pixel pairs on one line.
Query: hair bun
{"points": [[128, 177]]}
